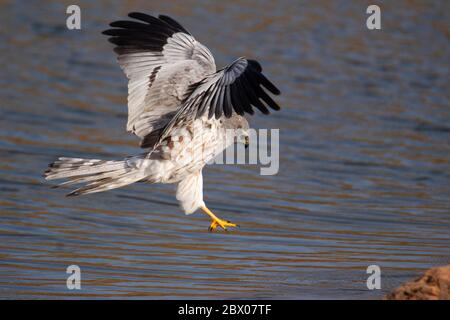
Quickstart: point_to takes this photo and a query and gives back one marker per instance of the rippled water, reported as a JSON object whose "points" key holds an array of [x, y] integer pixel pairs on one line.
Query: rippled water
{"points": [[364, 171]]}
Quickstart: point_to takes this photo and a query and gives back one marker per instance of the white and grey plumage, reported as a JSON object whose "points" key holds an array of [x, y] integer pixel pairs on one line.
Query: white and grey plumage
{"points": [[178, 105]]}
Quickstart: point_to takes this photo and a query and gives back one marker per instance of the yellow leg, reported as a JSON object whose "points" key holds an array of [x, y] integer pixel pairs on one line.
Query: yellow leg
{"points": [[216, 222]]}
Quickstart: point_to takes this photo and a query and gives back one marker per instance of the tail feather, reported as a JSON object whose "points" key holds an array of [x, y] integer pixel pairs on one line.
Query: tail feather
{"points": [[69, 167], [100, 175]]}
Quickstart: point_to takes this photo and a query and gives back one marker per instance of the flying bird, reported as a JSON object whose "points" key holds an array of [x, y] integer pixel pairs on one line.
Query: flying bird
{"points": [[180, 106]]}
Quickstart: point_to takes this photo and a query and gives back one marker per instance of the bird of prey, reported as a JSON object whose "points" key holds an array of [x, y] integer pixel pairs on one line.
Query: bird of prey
{"points": [[180, 107]]}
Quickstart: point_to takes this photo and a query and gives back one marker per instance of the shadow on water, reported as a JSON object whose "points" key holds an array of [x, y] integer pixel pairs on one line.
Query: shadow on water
{"points": [[364, 170]]}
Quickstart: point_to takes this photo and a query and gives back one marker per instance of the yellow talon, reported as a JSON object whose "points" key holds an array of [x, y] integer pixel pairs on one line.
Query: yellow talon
{"points": [[222, 223], [217, 222]]}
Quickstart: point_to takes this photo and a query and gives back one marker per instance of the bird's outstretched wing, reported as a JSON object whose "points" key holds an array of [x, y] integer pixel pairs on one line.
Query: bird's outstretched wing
{"points": [[238, 88], [161, 60]]}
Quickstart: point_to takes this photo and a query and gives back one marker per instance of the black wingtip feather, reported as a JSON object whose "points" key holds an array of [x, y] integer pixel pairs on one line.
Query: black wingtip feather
{"points": [[173, 23], [141, 16], [255, 64], [148, 33], [267, 84]]}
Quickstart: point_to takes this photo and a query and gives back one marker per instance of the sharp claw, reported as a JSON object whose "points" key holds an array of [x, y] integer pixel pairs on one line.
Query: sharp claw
{"points": [[213, 226]]}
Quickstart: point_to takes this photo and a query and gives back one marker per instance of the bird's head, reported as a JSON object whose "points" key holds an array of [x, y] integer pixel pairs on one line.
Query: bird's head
{"points": [[238, 127]]}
